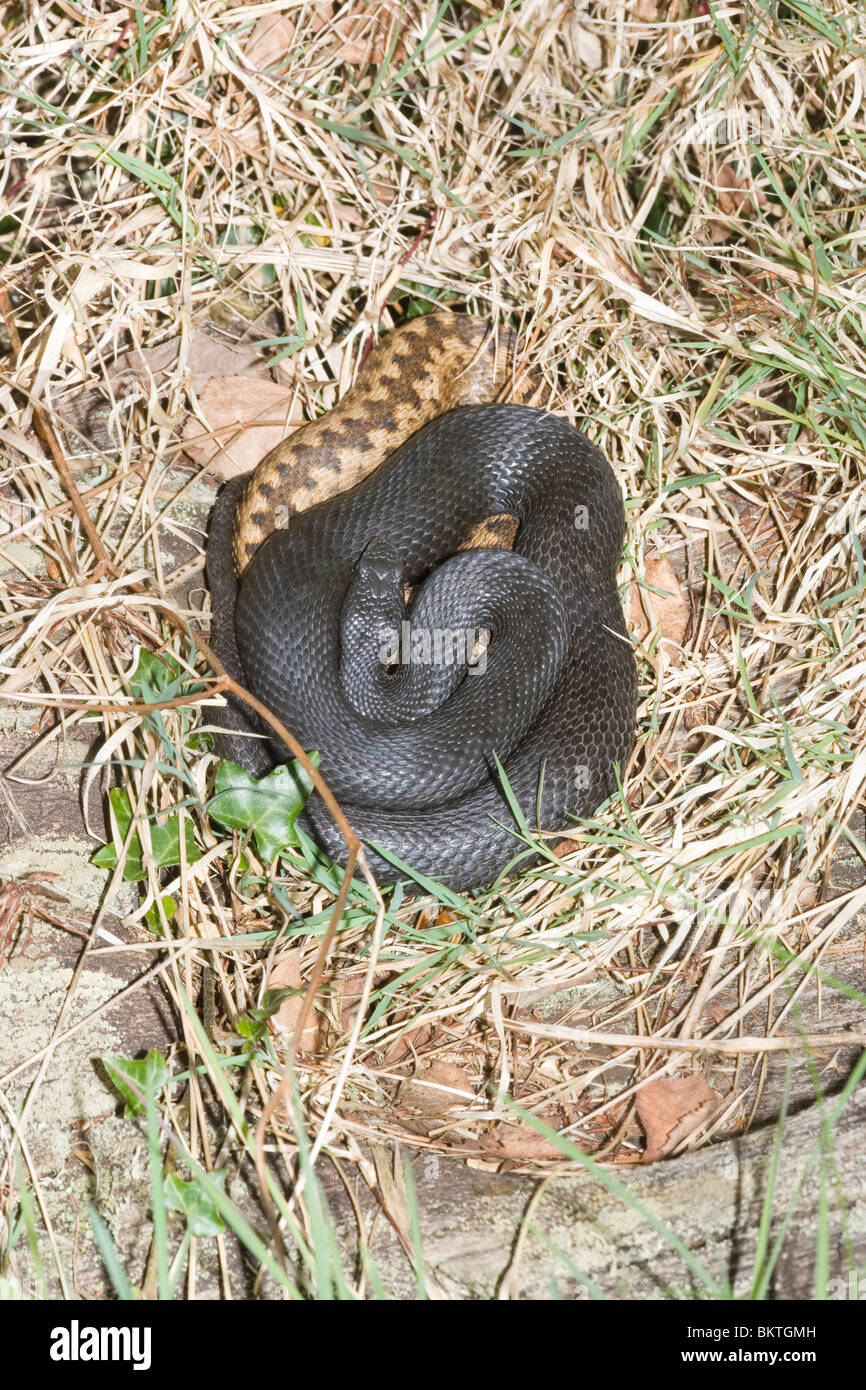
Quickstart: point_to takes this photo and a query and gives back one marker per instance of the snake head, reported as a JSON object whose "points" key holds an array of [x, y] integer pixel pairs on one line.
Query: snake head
{"points": [[378, 574]]}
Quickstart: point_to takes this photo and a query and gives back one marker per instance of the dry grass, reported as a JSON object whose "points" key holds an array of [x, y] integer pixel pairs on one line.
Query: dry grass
{"points": [[667, 203]]}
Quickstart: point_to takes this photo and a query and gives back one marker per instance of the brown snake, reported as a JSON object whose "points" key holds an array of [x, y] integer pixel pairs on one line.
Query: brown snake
{"points": [[421, 370]]}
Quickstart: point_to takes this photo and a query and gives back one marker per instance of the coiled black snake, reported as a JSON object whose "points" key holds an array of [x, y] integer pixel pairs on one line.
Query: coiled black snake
{"points": [[518, 655]]}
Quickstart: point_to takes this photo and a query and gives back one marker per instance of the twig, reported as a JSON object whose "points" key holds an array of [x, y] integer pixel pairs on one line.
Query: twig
{"points": [[47, 435], [730, 1048]]}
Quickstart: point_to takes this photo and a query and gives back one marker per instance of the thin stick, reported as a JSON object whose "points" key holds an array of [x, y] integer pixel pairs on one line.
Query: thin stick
{"points": [[731, 1048], [47, 435]]}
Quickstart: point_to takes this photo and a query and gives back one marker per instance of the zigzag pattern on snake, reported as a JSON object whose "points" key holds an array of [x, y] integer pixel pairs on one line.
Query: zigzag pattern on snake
{"points": [[421, 456]]}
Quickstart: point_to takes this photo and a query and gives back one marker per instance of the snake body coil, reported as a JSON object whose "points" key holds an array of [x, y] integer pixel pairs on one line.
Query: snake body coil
{"points": [[521, 656]]}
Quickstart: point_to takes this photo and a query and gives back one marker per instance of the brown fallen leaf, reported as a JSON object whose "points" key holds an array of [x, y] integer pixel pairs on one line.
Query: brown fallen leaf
{"points": [[366, 34], [272, 38], [587, 46], [246, 420], [349, 991], [436, 1088], [269, 43], [716, 1012], [672, 1108], [409, 1044], [669, 609], [415, 1040], [735, 193], [213, 350], [319, 14], [286, 974], [518, 1143], [434, 917], [347, 994]]}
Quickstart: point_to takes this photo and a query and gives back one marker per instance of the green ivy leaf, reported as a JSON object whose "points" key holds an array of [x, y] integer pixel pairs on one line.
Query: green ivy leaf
{"points": [[200, 1211], [268, 807], [152, 917], [164, 839], [138, 1081]]}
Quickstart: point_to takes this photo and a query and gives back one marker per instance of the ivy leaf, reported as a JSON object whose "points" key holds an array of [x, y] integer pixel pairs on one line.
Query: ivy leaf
{"points": [[164, 839], [138, 1081], [202, 1217], [268, 807], [152, 917]]}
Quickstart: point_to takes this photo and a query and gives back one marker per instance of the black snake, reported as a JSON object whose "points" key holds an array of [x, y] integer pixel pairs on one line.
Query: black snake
{"points": [[518, 655]]}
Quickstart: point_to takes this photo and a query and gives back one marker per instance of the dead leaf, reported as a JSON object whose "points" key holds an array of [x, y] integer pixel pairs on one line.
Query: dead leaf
{"points": [[367, 34], [670, 609], [587, 46], [269, 43], [213, 350], [734, 194], [437, 1087], [350, 990], [413, 1041], [735, 191], [716, 1012], [672, 1108], [245, 422], [286, 974], [434, 917], [347, 215], [321, 14], [273, 37], [518, 1143], [385, 192]]}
